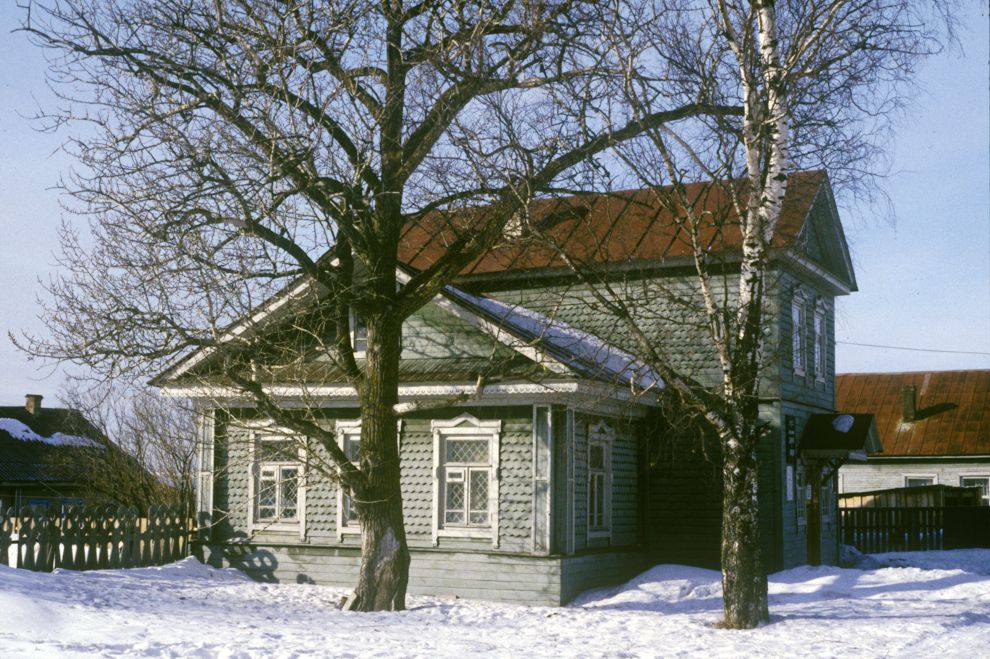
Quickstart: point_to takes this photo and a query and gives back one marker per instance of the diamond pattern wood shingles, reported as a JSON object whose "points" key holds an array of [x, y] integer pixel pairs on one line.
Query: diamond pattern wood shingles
{"points": [[952, 410]]}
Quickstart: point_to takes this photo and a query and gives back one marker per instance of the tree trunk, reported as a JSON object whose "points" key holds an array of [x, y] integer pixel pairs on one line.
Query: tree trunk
{"points": [[744, 582], [384, 571]]}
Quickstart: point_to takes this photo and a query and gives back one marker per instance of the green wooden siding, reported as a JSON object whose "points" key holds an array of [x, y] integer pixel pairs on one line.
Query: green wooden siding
{"points": [[493, 576]]}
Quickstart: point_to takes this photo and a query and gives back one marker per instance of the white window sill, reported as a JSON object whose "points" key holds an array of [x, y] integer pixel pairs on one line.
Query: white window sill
{"points": [[466, 532], [275, 527], [598, 535]]}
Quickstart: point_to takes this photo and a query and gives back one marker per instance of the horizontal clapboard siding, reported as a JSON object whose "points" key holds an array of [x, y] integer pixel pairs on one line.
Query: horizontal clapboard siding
{"points": [[581, 573], [472, 575]]}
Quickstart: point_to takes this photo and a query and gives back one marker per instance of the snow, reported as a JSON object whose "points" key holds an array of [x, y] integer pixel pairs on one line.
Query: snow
{"points": [[908, 605], [611, 360], [19, 430]]}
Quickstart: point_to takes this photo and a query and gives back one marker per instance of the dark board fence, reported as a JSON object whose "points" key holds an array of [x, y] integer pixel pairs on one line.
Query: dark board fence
{"points": [[93, 538], [875, 530]]}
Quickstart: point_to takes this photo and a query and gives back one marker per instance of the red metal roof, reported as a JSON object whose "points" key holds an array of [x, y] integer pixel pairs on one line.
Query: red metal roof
{"points": [[953, 410], [624, 226]]}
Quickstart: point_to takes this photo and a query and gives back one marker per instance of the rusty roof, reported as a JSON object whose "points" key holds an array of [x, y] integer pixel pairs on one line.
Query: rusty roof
{"points": [[629, 226], [952, 410]]}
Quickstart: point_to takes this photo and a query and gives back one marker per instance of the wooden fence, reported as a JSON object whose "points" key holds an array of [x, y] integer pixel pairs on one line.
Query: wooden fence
{"points": [[92, 538], [875, 530]]}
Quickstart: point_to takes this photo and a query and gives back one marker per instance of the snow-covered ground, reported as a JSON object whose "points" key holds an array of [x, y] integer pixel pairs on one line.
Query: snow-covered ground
{"points": [[931, 604]]}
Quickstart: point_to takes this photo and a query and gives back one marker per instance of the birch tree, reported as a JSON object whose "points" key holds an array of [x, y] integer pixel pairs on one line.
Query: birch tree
{"points": [[819, 82], [233, 149]]}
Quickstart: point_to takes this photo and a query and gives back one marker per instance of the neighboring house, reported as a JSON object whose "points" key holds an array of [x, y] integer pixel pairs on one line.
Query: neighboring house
{"points": [[40, 455], [934, 427], [562, 475]]}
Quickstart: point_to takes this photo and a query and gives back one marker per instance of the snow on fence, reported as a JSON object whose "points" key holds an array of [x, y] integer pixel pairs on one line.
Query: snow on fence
{"points": [[93, 537], [876, 530]]}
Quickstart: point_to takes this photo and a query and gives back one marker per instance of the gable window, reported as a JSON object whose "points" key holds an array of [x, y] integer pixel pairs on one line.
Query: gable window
{"points": [[349, 441], [465, 492], [359, 333], [278, 493], [821, 342], [600, 438], [982, 482], [798, 321]]}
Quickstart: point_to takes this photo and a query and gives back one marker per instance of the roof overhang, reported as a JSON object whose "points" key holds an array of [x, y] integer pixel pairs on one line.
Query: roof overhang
{"points": [[585, 394], [839, 436]]}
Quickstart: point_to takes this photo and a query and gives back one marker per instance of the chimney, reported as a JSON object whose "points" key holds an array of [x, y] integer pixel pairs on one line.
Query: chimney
{"points": [[908, 402], [32, 403]]}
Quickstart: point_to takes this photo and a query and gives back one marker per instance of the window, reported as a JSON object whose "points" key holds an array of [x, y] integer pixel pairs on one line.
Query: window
{"points": [[349, 440], [982, 482], [801, 489], [821, 342], [600, 438], [465, 453], [278, 494], [467, 471], [797, 333], [359, 334], [918, 481]]}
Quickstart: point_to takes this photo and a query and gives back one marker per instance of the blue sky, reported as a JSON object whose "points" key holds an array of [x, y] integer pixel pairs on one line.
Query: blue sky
{"points": [[924, 280]]}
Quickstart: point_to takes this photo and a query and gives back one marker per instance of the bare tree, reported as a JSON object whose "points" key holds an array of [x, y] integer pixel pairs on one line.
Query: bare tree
{"points": [[238, 148], [818, 83], [147, 454]]}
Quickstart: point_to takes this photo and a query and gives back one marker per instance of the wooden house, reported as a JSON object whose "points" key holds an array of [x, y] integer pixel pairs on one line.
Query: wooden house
{"points": [[934, 428], [563, 474], [40, 449]]}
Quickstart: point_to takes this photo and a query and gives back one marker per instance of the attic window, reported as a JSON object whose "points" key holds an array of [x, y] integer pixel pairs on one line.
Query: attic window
{"points": [[359, 334]]}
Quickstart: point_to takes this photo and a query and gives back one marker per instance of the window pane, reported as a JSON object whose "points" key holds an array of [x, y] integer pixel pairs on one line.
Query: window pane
{"points": [[597, 485], [454, 505], [918, 482], [267, 494], [980, 482], [596, 456], [359, 336], [467, 451], [352, 448], [290, 488], [277, 450], [478, 510]]}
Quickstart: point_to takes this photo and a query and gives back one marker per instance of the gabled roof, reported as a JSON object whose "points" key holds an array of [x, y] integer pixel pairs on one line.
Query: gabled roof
{"points": [[584, 354], [632, 227], [952, 410], [538, 341]]}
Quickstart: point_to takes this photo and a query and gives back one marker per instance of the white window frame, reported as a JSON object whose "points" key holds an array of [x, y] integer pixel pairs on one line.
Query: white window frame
{"points": [[602, 435], [932, 477], [982, 476], [799, 318], [462, 427], [820, 356], [354, 320], [258, 432], [346, 431]]}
